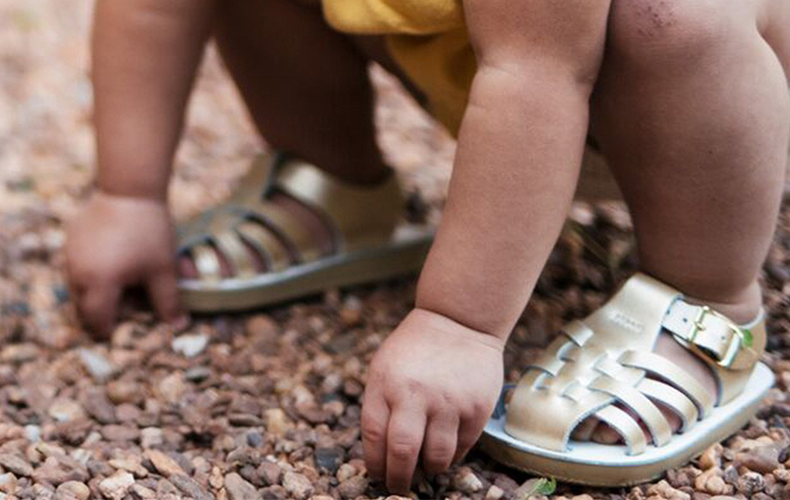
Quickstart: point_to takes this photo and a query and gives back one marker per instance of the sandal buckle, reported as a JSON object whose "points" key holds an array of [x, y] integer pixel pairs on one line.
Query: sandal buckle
{"points": [[739, 337]]}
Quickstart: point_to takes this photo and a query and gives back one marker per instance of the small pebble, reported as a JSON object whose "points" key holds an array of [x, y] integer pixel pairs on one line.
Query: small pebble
{"points": [[494, 493], [8, 483], [329, 459], [124, 391], [346, 471], [100, 407], [190, 487], [163, 463], [171, 388], [254, 439], [32, 433], [277, 423], [96, 364], [763, 459], [270, 473], [72, 490], [239, 489], [750, 483], [19, 353], [711, 481], [465, 481], [353, 487], [190, 345], [16, 464], [711, 457], [116, 486], [664, 490], [151, 437], [297, 485]]}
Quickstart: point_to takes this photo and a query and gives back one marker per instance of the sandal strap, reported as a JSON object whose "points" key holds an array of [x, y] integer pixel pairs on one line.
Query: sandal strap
{"points": [[660, 366], [639, 404], [673, 399], [361, 216], [711, 334], [268, 246], [626, 426], [236, 254]]}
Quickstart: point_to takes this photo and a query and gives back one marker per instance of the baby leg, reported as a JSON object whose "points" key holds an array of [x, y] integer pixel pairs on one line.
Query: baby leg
{"points": [[306, 86], [307, 89], [692, 111]]}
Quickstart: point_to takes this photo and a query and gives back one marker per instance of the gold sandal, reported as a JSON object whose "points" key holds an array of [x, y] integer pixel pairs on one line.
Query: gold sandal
{"points": [[606, 362], [369, 241]]}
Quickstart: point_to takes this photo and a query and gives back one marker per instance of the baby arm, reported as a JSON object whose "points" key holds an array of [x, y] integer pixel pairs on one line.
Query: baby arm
{"points": [[145, 54], [434, 382]]}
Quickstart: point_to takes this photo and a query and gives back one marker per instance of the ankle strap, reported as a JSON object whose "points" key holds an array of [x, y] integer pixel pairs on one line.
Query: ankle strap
{"points": [[712, 334]]}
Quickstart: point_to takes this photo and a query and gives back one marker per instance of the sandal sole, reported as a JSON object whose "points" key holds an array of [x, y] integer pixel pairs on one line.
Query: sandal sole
{"points": [[404, 255], [594, 464]]}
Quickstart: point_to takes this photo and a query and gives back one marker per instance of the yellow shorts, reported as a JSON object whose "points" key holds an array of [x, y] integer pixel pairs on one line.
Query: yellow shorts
{"points": [[427, 38]]}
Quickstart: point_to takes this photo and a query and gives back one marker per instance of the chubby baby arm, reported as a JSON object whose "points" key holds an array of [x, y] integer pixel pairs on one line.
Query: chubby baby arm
{"points": [[435, 380], [145, 53]]}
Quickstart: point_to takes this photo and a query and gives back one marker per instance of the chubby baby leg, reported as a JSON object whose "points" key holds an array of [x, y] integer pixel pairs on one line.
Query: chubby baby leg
{"points": [[693, 113]]}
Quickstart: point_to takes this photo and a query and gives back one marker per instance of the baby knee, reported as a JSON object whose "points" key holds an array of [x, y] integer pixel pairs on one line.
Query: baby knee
{"points": [[670, 31]]}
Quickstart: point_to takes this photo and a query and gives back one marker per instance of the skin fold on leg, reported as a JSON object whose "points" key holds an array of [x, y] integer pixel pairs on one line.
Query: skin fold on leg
{"points": [[693, 114]]}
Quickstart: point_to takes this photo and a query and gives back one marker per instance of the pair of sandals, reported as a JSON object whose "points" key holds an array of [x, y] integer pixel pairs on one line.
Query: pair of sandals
{"points": [[602, 366]]}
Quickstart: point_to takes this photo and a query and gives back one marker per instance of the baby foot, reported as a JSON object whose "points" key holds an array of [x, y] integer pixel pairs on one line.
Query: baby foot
{"points": [[593, 429]]}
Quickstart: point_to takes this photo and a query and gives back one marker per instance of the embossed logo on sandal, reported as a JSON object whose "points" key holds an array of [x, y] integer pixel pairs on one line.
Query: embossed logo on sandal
{"points": [[627, 322]]}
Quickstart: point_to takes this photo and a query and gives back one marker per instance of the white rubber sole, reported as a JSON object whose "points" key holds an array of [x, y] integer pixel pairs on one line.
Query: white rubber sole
{"points": [[404, 254], [596, 464]]}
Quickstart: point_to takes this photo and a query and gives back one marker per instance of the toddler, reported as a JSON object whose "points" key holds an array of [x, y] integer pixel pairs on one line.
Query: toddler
{"points": [[688, 100]]}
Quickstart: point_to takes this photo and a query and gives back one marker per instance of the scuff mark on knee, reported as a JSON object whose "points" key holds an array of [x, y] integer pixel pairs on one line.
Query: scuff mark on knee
{"points": [[654, 17]]}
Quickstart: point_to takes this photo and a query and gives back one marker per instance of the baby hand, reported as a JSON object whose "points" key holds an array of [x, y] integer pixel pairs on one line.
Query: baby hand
{"points": [[431, 388], [119, 241]]}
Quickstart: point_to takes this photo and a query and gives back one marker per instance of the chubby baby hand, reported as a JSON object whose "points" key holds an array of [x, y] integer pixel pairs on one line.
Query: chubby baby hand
{"points": [[116, 242], [431, 388]]}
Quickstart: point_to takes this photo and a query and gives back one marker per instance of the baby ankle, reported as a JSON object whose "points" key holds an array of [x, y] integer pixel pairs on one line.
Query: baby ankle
{"points": [[743, 308]]}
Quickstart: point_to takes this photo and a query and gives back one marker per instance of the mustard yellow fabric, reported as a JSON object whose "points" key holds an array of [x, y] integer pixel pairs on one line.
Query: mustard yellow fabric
{"points": [[427, 38]]}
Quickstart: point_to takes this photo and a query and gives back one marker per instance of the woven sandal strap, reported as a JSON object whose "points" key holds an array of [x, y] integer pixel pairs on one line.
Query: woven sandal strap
{"points": [[671, 398], [677, 376], [552, 364], [578, 332], [640, 404], [624, 425]]}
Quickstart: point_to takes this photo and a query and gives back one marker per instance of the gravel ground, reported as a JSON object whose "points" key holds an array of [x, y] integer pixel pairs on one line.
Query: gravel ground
{"points": [[264, 405]]}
